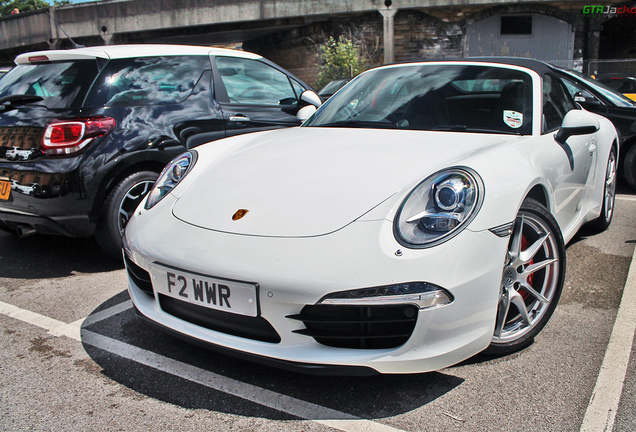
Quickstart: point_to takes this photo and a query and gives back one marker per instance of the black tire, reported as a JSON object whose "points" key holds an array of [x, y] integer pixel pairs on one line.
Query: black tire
{"points": [[629, 166], [609, 195], [119, 207], [532, 281]]}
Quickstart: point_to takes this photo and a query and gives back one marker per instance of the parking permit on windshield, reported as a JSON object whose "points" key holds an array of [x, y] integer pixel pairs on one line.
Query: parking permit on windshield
{"points": [[513, 119]]}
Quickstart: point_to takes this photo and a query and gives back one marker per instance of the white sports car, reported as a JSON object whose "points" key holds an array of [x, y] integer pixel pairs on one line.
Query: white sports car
{"points": [[419, 217]]}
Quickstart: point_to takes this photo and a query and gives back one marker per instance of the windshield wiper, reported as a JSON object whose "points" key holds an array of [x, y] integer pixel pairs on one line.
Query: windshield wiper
{"points": [[359, 124], [463, 128], [20, 99]]}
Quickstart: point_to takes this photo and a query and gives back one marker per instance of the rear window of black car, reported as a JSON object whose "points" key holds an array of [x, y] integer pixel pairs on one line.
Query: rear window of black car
{"points": [[147, 81], [60, 84]]}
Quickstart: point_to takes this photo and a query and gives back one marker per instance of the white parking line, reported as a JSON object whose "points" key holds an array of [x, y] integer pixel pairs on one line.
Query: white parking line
{"points": [[290, 405], [601, 412], [53, 326], [286, 404]]}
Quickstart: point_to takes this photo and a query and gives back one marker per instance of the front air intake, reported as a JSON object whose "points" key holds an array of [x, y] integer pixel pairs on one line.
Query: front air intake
{"points": [[361, 327]]}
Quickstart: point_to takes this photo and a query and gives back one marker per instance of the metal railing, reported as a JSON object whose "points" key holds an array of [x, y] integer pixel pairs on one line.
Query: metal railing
{"points": [[617, 66]]}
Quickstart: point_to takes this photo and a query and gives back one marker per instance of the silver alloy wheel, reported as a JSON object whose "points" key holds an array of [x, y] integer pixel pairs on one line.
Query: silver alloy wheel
{"points": [[131, 200], [610, 187], [530, 279]]}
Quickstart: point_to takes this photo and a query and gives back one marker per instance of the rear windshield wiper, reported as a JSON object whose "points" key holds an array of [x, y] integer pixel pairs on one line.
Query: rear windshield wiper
{"points": [[20, 99]]}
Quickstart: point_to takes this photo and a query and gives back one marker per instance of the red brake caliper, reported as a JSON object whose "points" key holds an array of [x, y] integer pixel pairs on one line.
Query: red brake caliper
{"points": [[524, 244]]}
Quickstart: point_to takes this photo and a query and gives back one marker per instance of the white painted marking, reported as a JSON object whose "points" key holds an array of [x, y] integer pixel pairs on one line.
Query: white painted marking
{"points": [[601, 411], [60, 328], [626, 197], [287, 404], [53, 326], [107, 313]]}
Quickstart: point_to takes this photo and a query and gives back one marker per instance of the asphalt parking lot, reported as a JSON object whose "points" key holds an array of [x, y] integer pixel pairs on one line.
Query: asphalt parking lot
{"points": [[76, 358]]}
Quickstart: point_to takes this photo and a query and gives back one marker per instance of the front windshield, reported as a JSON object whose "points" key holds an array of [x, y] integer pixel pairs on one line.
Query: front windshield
{"points": [[440, 97], [613, 96]]}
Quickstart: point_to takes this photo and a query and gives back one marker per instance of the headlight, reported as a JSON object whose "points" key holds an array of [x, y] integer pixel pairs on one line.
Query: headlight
{"points": [[439, 208], [170, 177]]}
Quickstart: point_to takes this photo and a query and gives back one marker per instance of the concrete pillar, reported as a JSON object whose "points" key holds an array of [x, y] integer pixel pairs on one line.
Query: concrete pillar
{"points": [[107, 38], [389, 42], [55, 34], [53, 43]]}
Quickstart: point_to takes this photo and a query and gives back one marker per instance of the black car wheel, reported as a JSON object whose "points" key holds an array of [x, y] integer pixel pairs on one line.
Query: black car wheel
{"points": [[532, 280], [119, 207], [629, 166]]}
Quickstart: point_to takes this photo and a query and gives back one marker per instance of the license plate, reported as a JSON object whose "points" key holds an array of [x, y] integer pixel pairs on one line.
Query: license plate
{"points": [[214, 293], [5, 189]]}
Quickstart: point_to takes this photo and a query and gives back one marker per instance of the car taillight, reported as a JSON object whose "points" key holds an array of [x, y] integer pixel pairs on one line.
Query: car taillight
{"points": [[68, 137]]}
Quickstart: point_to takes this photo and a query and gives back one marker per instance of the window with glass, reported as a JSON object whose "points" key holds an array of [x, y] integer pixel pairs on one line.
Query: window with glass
{"points": [[516, 25], [59, 84], [452, 97], [148, 80], [556, 103], [253, 82]]}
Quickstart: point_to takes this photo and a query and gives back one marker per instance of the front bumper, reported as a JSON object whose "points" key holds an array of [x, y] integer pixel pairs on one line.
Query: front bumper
{"points": [[294, 272]]}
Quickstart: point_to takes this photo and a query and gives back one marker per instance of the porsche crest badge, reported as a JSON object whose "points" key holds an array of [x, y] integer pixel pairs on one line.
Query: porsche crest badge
{"points": [[239, 214]]}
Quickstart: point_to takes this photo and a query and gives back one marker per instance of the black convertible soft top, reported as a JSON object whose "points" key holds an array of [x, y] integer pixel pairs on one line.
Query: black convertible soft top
{"points": [[536, 65]]}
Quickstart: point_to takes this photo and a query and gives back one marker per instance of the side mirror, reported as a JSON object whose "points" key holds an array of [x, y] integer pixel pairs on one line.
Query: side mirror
{"points": [[312, 102], [311, 98], [577, 122], [585, 97], [305, 112]]}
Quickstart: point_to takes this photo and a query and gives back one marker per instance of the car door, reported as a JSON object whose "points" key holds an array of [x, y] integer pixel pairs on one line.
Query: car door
{"points": [[575, 158], [254, 95]]}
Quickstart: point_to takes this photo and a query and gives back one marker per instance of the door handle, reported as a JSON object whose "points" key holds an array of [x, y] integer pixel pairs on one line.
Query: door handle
{"points": [[592, 149], [239, 118]]}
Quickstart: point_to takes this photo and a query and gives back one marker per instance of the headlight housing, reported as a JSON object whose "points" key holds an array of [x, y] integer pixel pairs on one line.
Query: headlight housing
{"points": [[439, 208], [170, 177]]}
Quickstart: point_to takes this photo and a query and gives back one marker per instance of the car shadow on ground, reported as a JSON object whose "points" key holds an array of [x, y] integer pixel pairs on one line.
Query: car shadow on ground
{"points": [[371, 397], [41, 257]]}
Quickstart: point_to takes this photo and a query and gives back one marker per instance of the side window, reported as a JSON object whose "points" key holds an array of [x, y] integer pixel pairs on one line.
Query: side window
{"points": [[148, 80], [556, 103], [298, 88], [253, 82], [578, 93]]}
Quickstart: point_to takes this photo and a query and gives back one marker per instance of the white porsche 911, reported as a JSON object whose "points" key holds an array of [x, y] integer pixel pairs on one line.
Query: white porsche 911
{"points": [[419, 217]]}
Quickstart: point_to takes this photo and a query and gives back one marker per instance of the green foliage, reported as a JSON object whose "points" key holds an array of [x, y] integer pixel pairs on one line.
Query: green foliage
{"points": [[6, 6], [340, 59]]}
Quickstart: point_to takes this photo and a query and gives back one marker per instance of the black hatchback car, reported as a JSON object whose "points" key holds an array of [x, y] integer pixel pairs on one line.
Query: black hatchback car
{"points": [[599, 99], [84, 133]]}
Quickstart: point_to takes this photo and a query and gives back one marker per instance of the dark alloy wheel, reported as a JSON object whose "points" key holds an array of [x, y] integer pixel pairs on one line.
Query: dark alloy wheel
{"points": [[119, 207], [532, 281]]}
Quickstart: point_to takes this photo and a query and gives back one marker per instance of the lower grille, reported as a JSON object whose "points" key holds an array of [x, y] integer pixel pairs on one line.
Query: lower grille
{"points": [[256, 328], [362, 327], [139, 276]]}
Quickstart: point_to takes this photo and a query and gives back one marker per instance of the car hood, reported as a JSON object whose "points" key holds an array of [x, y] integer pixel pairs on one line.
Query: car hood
{"points": [[303, 182]]}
